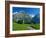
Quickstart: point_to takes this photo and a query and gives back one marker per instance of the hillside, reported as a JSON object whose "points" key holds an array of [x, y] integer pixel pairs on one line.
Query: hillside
{"points": [[26, 18]]}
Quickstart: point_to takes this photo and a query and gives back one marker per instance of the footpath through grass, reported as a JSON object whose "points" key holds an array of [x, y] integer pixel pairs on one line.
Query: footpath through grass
{"points": [[24, 26]]}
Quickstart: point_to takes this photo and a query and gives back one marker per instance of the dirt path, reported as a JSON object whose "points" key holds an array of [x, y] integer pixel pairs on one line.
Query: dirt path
{"points": [[30, 28]]}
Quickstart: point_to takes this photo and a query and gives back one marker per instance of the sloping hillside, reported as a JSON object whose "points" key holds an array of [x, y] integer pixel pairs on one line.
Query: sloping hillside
{"points": [[26, 18]]}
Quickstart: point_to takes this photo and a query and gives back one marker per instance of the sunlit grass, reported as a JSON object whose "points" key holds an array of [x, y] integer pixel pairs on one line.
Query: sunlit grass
{"points": [[17, 26]]}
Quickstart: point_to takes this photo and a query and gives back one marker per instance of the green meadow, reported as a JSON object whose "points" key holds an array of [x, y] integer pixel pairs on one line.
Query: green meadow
{"points": [[17, 26]]}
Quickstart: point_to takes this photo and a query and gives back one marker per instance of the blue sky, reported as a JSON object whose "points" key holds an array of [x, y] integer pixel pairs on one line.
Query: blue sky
{"points": [[27, 10]]}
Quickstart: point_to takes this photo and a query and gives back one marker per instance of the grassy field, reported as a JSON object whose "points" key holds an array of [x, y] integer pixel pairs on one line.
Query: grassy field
{"points": [[24, 26]]}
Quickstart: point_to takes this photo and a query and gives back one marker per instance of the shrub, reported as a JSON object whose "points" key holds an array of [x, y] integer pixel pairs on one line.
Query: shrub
{"points": [[20, 21]]}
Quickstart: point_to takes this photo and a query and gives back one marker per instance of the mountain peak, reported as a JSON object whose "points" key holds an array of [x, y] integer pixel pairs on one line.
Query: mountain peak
{"points": [[32, 15]]}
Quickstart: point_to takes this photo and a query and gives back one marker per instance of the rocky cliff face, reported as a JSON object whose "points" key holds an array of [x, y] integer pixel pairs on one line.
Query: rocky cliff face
{"points": [[26, 18], [36, 19]]}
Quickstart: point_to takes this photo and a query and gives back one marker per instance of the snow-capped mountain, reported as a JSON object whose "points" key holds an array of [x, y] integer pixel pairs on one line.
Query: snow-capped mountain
{"points": [[27, 17]]}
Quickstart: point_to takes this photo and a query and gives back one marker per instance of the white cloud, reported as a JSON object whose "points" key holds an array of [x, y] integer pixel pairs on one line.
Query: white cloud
{"points": [[32, 15], [15, 13], [21, 11]]}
